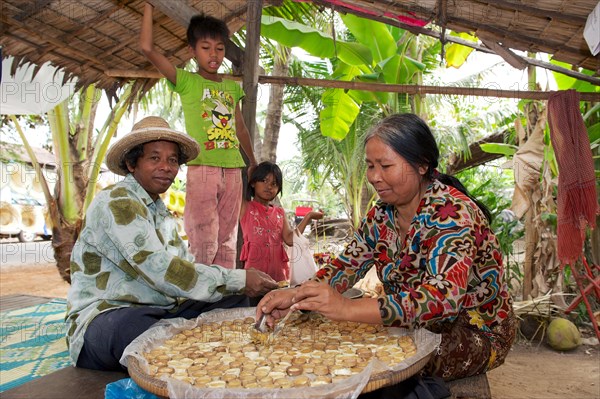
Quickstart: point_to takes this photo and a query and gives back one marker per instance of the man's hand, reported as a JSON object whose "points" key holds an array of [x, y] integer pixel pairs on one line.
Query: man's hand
{"points": [[258, 283]]}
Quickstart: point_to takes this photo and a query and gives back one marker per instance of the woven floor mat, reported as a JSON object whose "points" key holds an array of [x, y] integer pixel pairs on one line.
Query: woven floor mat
{"points": [[32, 343]]}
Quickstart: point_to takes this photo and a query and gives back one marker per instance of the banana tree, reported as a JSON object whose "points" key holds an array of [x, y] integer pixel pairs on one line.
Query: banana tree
{"points": [[374, 52], [79, 152]]}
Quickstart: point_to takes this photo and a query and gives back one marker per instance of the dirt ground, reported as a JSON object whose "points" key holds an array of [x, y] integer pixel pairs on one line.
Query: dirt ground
{"points": [[531, 371]]}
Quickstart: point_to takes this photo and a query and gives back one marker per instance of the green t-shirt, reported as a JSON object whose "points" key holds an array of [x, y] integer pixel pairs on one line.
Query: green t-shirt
{"points": [[209, 111]]}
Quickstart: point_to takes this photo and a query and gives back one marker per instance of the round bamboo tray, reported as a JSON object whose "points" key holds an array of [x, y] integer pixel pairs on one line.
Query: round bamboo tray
{"points": [[376, 381], [391, 377], [379, 378], [150, 384]]}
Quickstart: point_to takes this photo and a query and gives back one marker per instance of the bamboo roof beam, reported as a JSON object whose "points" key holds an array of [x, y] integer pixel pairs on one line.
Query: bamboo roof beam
{"points": [[452, 39]]}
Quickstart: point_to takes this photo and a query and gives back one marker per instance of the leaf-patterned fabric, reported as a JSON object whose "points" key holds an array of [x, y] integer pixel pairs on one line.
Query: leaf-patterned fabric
{"points": [[129, 254]]}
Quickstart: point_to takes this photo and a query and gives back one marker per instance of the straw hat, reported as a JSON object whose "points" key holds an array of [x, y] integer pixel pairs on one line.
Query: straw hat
{"points": [[151, 128]]}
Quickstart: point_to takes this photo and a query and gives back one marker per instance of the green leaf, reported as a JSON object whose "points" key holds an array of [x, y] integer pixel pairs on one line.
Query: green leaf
{"points": [[499, 148], [339, 113], [354, 53], [372, 34], [370, 96], [564, 82], [400, 69], [313, 41], [457, 54], [594, 132], [347, 72]]}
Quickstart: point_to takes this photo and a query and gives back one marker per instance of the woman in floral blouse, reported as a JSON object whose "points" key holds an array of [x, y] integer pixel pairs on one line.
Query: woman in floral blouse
{"points": [[435, 254]]}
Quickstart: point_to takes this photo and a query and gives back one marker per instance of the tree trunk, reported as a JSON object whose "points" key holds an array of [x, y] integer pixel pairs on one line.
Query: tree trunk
{"points": [[273, 120], [64, 237], [63, 240], [478, 157], [365, 199]]}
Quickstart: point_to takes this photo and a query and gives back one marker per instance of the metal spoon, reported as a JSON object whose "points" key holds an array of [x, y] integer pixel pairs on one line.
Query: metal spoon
{"points": [[281, 324], [261, 323]]}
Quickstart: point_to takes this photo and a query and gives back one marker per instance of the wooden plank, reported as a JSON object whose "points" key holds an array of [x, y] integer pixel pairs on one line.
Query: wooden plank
{"points": [[476, 387], [18, 301], [70, 382], [92, 384]]}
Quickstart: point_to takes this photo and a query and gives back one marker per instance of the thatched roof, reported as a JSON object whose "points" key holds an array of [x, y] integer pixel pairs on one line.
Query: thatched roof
{"points": [[90, 38], [16, 152]]}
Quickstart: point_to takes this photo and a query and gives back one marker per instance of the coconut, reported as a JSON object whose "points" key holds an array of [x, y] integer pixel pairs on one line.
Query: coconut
{"points": [[563, 335]]}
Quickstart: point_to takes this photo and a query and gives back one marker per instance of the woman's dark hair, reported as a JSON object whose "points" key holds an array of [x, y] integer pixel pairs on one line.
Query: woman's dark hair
{"points": [[132, 156], [261, 172], [202, 26], [410, 137]]}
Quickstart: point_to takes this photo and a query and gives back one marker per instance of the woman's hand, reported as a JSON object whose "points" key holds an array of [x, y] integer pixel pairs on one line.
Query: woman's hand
{"points": [[276, 304], [321, 298]]}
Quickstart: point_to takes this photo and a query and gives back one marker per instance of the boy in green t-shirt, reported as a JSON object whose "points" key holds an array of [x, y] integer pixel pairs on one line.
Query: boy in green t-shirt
{"points": [[214, 119]]}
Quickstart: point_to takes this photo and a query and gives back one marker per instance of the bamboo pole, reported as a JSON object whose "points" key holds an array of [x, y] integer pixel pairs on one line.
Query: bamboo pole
{"points": [[382, 87], [419, 89]]}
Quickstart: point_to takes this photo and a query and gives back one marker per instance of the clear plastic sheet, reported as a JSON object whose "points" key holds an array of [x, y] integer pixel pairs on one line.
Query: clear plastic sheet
{"points": [[348, 388]]}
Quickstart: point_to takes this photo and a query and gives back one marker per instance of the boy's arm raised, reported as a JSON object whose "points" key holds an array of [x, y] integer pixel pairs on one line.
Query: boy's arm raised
{"points": [[161, 62]]}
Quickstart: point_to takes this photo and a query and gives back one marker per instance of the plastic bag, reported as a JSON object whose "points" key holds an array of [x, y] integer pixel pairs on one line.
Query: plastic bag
{"points": [[126, 389], [302, 262]]}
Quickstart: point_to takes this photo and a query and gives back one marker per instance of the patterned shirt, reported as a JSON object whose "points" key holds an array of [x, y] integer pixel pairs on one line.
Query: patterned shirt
{"points": [[448, 263], [209, 111], [129, 254]]}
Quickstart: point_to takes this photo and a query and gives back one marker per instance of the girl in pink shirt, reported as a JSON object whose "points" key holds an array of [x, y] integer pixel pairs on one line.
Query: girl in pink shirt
{"points": [[264, 225]]}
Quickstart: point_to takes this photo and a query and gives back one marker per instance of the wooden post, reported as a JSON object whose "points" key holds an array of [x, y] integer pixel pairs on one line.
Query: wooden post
{"points": [[250, 65], [250, 85], [531, 238], [531, 229]]}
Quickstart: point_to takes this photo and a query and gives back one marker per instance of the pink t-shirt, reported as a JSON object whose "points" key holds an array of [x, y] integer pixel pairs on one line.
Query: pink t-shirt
{"points": [[263, 248]]}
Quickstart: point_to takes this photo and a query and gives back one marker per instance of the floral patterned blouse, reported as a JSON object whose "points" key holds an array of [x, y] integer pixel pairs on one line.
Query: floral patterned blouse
{"points": [[448, 263], [263, 249]]}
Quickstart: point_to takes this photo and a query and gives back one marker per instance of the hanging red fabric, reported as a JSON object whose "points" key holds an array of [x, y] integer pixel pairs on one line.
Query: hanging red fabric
{"points": [[577, 198]]}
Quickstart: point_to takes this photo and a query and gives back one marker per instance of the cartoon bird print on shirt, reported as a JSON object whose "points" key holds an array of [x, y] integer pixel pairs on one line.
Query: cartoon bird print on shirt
{"points": [[222, 120]]}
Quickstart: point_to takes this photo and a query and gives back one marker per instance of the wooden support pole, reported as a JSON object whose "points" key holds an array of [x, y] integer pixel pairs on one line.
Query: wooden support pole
{"points": [[531, 239], [420, 89], [382, 87], [250, 65]]}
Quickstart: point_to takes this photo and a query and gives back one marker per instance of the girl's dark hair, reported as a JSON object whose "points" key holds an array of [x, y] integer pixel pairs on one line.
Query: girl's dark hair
{"points": [[202, 26], [261, 172], [132, 156], [410, 137]]}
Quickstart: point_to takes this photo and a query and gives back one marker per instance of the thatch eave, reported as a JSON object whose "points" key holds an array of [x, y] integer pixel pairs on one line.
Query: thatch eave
{"points": [[87, 39]]}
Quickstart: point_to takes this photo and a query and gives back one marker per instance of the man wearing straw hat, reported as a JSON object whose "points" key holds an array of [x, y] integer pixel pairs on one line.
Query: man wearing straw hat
{"points": [[129, 267]]}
